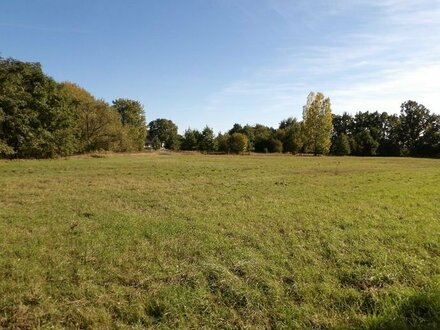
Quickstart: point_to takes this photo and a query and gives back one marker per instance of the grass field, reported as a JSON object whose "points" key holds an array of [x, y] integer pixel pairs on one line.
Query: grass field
{"points": [[194, 241]]}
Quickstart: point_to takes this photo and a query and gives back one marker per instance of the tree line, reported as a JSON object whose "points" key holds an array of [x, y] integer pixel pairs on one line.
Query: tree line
{"points": [[41, 118], [313, 134], [414, 132]]}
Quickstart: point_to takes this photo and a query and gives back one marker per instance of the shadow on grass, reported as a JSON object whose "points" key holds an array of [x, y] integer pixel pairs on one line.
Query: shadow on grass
{"points": [[418, 311]]}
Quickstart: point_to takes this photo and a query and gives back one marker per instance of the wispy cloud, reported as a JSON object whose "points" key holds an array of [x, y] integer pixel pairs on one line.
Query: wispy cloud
{"points": [[391, 55]]}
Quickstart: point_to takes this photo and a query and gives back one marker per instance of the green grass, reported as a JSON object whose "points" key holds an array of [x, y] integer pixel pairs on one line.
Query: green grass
{"points": [[193, 241]]}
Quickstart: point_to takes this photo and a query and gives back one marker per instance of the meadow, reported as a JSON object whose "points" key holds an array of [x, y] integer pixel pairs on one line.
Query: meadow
{"points": [[208, 241]]}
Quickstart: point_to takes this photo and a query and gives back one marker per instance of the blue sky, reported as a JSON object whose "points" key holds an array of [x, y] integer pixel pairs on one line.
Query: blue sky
{"points": [[218, 62]]}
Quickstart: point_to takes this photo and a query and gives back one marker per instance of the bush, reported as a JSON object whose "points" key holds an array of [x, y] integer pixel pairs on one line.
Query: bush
{"points": [[275, 145], [238, 143]]}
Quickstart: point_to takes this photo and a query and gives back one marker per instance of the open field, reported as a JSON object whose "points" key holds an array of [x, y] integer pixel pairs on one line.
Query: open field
{"points": [[193, 241]]}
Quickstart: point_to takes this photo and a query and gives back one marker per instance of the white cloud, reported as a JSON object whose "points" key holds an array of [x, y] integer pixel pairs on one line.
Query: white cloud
{"points": [[394, 55], [421, 84]]}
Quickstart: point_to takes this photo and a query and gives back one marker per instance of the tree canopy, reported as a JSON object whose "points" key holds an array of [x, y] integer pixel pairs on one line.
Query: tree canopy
{"points": [[40, 118], [166, 131], [35, 121], [132, 117]]}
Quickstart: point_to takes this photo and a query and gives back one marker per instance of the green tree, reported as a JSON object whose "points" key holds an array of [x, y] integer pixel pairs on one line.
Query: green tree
{"points": [[290, 133], [166, 131], [382, 128], [342, 124], [275, 146], [414, 120], [237, 128], [223, 142], [207, 140], [36, 119], [429, 144], [97, 125], [365, 144], [389, 144], [5, 150], [238, 143], [156, 143], [249, 131], [317, 117], [342, 145], [287, 123], [190, 140], [133, 121], [262, 136], [99, 128]]}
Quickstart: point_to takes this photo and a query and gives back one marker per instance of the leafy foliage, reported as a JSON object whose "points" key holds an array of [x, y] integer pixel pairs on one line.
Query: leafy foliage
{"points": [[36, 121], [414, 121], [238, 143], [40, 118], [223, 142], [156, 143], [365, 144], [97, 125], [415, 132], [275, 146], [166, 131], [290, 132], [342, 145], [190, 140], [133, 121], [317, 117], [207, 140]]}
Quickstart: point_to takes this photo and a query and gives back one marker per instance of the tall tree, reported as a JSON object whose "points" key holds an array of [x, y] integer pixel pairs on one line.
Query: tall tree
{"points": [[414, 120], [317, 118]]}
